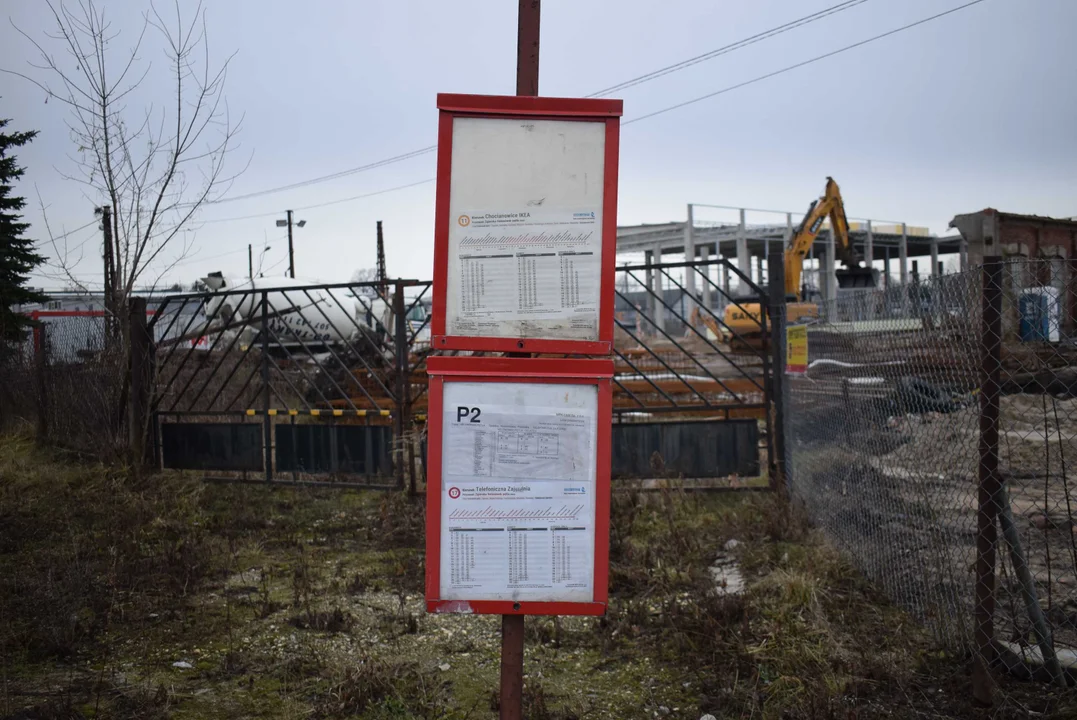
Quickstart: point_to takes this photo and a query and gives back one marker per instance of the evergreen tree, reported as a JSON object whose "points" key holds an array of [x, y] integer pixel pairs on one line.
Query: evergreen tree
{"points": [[17, 255]]}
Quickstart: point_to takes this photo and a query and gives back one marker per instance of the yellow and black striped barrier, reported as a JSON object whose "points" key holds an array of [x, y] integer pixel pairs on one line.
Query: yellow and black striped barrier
{"points": [[318, 413]]}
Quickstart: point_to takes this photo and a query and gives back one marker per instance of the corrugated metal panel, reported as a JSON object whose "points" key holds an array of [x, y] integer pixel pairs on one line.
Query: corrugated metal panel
{"points": [[690, 449], [346, 449], [211, 446]]}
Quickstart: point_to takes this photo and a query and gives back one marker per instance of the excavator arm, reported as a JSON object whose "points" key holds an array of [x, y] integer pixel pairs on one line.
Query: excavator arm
{"points": [[830, 206]]}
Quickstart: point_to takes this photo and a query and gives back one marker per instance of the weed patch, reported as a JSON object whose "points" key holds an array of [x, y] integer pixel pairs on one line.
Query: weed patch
{"points": [[167, 597]]}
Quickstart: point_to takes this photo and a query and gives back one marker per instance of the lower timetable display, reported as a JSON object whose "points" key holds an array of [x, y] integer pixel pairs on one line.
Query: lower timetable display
{"points": [[518, 491]]}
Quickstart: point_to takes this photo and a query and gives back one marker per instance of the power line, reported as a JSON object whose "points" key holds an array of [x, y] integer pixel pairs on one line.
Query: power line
{"points": [[369, 194], [324, 204], [333, 176], [658, 73], [759, 37], [72, 232], [190, 260], [279, 262], [800, 64], [79, 246]]}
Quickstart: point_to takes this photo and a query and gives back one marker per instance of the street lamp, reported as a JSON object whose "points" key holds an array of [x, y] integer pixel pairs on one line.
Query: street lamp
{"points": [[250, 260], [291, 254]]}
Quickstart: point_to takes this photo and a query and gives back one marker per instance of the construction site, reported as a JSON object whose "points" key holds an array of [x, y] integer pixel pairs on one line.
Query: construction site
{"points": [[880, 434], [595, 459]]}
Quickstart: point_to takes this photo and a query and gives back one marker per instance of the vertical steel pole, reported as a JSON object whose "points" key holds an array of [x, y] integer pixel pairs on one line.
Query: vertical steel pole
{"points": [[291, 252], [400, 341], [990, 371], [903, 270], [267, 422], [705, 255], [869, 247], [886, 267], [659, 311], [512, 626], [512, 667], [744, 260], [527, 48], [41, 360], [1069, 302], [689, 257], [138, 397], [776, 280]]}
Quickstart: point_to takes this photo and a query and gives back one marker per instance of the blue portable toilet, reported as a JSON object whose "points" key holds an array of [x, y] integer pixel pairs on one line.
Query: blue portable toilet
{"points": [[1040, 312]]}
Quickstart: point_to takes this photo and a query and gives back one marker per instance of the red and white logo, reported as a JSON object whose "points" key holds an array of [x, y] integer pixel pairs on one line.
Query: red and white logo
{"points": [[454, 492]]}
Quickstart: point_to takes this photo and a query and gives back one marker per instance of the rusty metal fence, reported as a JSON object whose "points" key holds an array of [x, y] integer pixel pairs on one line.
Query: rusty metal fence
{"points": [[292, 383], [671, 351], [934, 437], [327, 383], [277, 381]]}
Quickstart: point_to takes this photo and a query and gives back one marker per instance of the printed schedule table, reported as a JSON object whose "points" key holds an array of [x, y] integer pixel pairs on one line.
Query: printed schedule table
{"points": [[517, 487]]}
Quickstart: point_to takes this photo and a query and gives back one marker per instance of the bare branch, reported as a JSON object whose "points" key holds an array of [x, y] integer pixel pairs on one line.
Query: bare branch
{"points": [[152, 169]]}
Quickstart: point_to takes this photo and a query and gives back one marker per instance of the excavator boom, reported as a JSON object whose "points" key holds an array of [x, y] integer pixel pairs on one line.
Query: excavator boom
{"points": [[742, 321], [831, 206]]}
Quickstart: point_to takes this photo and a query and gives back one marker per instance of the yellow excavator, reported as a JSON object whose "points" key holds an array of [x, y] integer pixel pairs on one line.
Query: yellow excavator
{"points": [[742, 318]]}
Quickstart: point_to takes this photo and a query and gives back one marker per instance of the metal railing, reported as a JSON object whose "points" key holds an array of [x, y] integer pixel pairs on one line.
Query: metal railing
{"points": [[324, 355]]}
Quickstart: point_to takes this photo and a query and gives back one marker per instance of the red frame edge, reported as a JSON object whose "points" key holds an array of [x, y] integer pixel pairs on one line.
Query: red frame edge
{"points": [[530, 105], [588, 109], [598, 372]]}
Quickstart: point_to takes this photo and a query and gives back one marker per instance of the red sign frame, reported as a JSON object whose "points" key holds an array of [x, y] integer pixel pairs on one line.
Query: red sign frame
{"points": [[586, 110], [598, 372]]}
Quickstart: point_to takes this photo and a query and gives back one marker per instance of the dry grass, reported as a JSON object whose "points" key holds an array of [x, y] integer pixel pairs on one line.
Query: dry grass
{"points": [[299, 603]]}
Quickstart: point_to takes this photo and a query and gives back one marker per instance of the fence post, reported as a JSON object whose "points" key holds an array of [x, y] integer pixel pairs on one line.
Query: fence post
{"points": [[776, 311], [267, 421], [401, 415], [990, 370], [41, 352], [138, 399]]}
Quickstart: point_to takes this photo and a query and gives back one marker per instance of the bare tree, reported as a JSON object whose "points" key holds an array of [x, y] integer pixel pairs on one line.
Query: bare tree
{"points": [[151, 165]]}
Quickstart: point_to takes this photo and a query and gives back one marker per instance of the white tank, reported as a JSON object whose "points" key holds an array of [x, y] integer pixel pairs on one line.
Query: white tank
{"points": [[308, 315]]}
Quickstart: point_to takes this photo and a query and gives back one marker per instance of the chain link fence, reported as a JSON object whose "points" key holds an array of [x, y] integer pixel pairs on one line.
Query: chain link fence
{"points": [[932, 436], [66, 381]]}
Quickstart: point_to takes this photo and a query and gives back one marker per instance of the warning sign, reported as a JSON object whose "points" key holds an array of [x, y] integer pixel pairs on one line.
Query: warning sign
{"points": [[796, 350]]}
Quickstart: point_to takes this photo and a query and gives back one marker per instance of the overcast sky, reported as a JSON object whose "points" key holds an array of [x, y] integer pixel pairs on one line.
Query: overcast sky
{"points": [[976, 109]]}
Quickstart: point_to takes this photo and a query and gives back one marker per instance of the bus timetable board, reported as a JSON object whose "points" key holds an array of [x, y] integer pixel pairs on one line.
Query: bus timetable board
{"points": [[518, 485], [525, 227]]}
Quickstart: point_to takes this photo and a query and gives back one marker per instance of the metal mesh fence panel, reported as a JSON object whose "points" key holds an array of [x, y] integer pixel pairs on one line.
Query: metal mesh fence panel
{"points": [[1035, 608], [883, 441], [67, 381], [910, 395]]}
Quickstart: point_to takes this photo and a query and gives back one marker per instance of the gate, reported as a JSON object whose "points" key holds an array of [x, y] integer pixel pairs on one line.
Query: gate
{"points": [[680, 362], [273, 381]]}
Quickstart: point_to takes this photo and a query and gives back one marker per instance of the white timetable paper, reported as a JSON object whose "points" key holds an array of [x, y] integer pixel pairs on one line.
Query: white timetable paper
{"points": [[518, 491], [525, 228]]}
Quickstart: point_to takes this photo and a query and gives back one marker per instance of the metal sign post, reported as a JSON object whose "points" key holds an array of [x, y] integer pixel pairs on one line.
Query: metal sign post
{"points": [[519, 447], [518, 488]]}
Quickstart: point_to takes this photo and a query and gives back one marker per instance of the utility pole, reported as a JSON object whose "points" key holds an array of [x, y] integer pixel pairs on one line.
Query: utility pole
{"points": [[291, 252], [250, 261], [383, 288], [109, 277]]}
